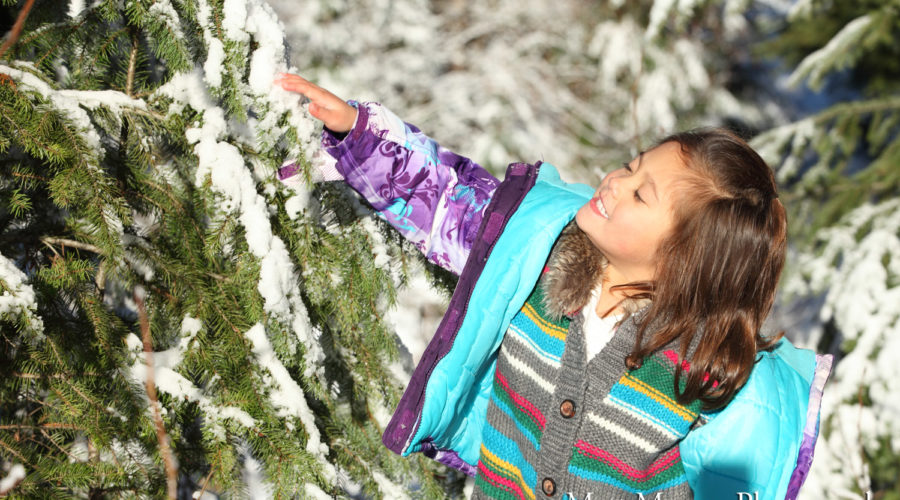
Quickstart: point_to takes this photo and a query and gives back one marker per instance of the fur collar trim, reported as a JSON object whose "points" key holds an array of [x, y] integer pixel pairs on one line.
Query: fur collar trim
{"points": [[575, 267]]}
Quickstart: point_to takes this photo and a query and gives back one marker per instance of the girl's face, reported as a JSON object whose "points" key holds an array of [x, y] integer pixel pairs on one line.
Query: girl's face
{"points": [[632, 212]]}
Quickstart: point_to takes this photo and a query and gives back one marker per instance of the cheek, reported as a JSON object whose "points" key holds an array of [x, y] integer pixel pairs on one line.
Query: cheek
{"points": [[644, 236], [654, 238], [637, 248]]}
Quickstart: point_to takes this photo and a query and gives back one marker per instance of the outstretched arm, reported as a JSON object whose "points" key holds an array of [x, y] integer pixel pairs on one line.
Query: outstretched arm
{"points": [[432, 196]]}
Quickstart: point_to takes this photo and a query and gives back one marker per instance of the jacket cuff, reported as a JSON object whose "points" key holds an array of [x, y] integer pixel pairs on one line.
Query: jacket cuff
{"points": [[332, 139]]}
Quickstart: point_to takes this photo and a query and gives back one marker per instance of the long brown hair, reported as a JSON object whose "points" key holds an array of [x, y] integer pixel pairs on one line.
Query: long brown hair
{"points": [[718, 270]]}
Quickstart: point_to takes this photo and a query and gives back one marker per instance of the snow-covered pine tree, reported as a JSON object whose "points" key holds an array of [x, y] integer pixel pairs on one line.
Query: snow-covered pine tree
{"points": [[173, 320], [841, 170]]}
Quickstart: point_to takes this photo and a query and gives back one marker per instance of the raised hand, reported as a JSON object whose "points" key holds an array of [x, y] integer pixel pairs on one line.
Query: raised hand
{"points": [[331, 109]]}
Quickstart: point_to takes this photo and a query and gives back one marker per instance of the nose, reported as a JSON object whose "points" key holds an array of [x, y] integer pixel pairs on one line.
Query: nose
{"points": [[612, 185]]}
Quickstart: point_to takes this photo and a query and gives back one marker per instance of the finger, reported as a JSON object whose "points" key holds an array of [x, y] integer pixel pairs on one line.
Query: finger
{"points": [[296, 84], [315, 94], [299, 84], [293, 79]]}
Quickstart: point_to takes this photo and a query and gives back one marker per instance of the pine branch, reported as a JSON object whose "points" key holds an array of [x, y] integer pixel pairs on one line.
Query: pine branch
{"points": [[62, 450], [144, 112], [100, 277], [49, 241], [53, 375], [17, 27], [132, 203], [13, 451], [837, 54], [49, 425], [857, 108], [161, 436], [42, 146], [132, 63]]}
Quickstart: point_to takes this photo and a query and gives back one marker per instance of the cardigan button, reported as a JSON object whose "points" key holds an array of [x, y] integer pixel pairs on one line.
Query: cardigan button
{"points": [[567, 408], [549, 486]]}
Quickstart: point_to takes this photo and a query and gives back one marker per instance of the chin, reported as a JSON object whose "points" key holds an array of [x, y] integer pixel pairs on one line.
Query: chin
{"points": [[580, 220]]}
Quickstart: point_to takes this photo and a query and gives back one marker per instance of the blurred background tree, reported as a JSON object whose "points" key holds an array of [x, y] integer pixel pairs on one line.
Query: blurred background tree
{"points": [[839, 164], [582, 85]]}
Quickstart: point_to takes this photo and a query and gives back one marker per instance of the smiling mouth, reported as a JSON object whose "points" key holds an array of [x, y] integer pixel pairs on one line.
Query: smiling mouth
{"points": [[597, 205]]}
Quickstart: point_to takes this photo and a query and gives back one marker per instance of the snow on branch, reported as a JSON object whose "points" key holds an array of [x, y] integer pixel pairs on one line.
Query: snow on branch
{"points": [[659, 13], [859, 268], [168, 380], [17, 300], [163, 10], [784, 145], [288, 397], [15, 476], [69, 106], [216, 144], [664, 11], [839, 53], [76, 7], [75, 104]]}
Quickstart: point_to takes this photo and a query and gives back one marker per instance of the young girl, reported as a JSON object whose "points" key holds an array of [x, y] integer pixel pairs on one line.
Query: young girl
{"points": [[600, 343]]}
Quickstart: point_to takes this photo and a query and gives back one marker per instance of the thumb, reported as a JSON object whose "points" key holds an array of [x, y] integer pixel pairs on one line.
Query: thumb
{"points": [[337, 116]]}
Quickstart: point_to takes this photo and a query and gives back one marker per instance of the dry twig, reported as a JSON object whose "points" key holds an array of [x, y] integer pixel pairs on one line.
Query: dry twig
{"points": [[17, 27], [161, 436]]}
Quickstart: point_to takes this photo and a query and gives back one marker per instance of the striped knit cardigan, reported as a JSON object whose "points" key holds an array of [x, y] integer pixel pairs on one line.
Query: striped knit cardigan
{"points": [[559, 425]]}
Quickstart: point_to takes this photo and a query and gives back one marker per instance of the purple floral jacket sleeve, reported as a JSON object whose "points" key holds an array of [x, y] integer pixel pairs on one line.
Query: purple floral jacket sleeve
{"points": [[434, 197]]}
